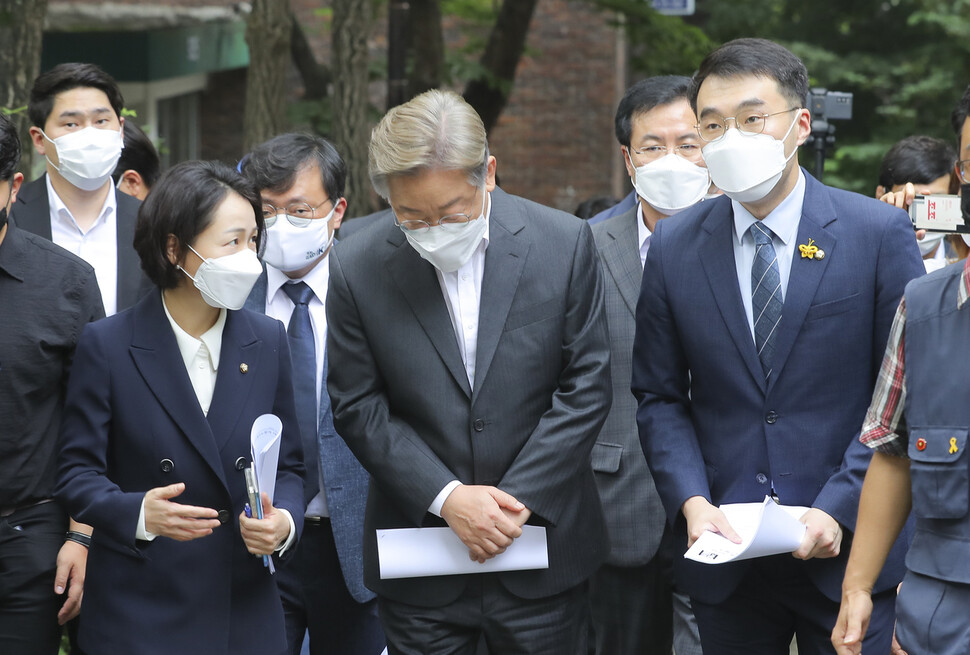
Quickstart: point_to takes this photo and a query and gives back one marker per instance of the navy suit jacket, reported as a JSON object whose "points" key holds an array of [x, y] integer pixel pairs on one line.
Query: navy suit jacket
{"points": [[32, 213], [131, 423], [710, 427], [344, 479]]}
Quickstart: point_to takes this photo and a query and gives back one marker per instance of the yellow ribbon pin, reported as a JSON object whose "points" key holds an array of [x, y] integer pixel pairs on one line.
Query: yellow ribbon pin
{"points": [[953, 445], [809, 250]]}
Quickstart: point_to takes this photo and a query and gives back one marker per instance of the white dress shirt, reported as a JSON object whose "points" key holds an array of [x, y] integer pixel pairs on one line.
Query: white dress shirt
{"points": [[98, 246], [462, 290], [643, 235], [280, 307], [201, 359], [783, 222]]}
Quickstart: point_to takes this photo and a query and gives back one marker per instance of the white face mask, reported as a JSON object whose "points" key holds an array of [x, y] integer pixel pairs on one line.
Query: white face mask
{"points": [[671, 183], [929, 243], [87, 157], [747, 167], [225, 282], [290, 248], [448, 247]]}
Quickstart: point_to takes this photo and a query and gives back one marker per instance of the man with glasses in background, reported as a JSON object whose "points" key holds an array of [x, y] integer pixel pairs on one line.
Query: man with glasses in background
{"points": [[469, 373], [634, 608], [761, 325], [301, 179]]}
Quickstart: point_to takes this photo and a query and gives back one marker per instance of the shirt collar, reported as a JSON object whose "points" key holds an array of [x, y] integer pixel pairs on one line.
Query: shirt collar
{"points": [[782, 221], [189, 345], [317, 279], [59, 209], [964, 292]]}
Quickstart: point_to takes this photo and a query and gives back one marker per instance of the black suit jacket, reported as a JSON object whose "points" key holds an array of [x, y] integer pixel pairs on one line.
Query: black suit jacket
{"points": [[402, 401], [32, 213]]}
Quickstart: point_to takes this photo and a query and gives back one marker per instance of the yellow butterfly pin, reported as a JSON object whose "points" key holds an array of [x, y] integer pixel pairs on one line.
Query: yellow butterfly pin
{"points": [[811, 250]]}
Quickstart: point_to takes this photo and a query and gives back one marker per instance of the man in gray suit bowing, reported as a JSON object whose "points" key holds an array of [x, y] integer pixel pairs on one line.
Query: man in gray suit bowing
{"points": [[634, 607], [469, 373]]}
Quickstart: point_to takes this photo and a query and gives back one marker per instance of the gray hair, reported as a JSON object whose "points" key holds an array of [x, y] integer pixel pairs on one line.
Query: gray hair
{"points": [[435, 130]]}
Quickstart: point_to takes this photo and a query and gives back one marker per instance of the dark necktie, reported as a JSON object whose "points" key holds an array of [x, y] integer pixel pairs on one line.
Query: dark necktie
{"points": [[303, 356], [766, 302]]}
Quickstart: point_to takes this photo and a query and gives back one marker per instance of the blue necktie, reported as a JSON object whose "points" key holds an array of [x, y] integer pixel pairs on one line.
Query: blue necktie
{"points": [[303, 356], [766, 302]]}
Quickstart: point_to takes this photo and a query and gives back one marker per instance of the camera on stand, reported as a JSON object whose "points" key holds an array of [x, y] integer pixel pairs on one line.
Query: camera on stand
{"points": [[826, 106]]}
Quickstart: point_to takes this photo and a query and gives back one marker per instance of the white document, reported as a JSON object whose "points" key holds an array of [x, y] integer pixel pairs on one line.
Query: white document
{"points": [[265, 437], [420, 552], [765, 528]]}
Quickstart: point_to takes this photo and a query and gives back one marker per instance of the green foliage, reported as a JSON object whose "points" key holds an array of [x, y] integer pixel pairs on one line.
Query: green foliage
{"points": [[8, 111], [906, 62]]}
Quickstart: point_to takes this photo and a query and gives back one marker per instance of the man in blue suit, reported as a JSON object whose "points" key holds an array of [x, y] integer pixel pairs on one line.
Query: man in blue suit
{"points": [[761, 325], [301, 181]]}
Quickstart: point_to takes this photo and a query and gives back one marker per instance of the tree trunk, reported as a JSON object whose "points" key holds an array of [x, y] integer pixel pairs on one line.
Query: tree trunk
{"points": [[352, 23], [427, 46], [268, 37], [489, 92], [21, 30], [316, 76]]}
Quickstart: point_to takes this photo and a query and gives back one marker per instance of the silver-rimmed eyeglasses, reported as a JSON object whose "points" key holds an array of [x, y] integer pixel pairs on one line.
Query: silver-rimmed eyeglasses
{"points": [[299, 214], [689, 151], [452, 221], [963, 168], [749, 122]]}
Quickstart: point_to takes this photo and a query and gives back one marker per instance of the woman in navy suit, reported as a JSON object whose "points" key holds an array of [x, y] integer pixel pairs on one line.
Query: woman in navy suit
{"points": [[156, 432]]}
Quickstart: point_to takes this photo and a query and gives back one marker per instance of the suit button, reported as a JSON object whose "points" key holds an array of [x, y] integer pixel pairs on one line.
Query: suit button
{"points": [[166, 465], [771, 417], [761, 478], [479, 425], [240, 463], [223, 516]]}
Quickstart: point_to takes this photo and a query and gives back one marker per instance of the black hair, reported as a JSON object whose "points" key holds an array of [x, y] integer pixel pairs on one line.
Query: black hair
{"points": [[182, 204], [139, 155], [65, 77], [593, 206], [644, 96], [757, 57], [959, 115], [9, 150], [274, 165], [916, 159]]}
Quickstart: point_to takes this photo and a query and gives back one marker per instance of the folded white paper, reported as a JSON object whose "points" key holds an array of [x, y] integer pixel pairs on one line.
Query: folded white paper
{"points": [[765, 528], [265, 436], [421, 552]]}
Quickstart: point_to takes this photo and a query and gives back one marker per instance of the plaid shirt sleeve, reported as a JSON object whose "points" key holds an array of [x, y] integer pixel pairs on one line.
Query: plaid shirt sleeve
{"points": [[885, 425]]}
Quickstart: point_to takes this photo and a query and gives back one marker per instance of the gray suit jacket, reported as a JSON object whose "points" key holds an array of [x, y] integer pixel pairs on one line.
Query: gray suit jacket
{"points": [[634, 514], [344, 480], [32, 213], [352, 226], [402, 401]]}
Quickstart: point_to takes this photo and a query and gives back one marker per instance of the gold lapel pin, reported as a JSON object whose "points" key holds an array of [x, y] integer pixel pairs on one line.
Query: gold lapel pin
{"points": [[811, 251], [244, 368]]}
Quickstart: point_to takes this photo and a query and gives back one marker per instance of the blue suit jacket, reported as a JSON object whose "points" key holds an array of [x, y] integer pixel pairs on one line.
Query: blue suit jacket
{"points": [[710, 427], [345, 482], [131, 423]]}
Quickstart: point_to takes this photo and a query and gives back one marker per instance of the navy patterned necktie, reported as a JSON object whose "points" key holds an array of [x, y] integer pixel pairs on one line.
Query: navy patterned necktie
{"points": [[766, 302], [303, 355]]}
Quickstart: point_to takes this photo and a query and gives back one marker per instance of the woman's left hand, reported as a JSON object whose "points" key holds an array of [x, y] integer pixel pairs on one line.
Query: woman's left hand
{"points": [[263, 536]]}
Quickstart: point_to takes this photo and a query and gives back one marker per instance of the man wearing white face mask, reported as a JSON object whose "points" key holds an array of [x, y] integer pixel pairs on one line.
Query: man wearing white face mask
{"points": [[634, 608], [761, 325], [469, 373], [75, 110], [301, 180]]}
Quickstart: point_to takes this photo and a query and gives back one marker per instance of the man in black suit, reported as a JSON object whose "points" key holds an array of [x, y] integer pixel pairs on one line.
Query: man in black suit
{"points": [[469, 374], [75, 110]]}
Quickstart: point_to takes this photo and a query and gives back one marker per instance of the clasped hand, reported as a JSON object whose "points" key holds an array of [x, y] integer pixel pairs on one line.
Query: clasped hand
{"points": [[486, 519], [263, 536]]}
